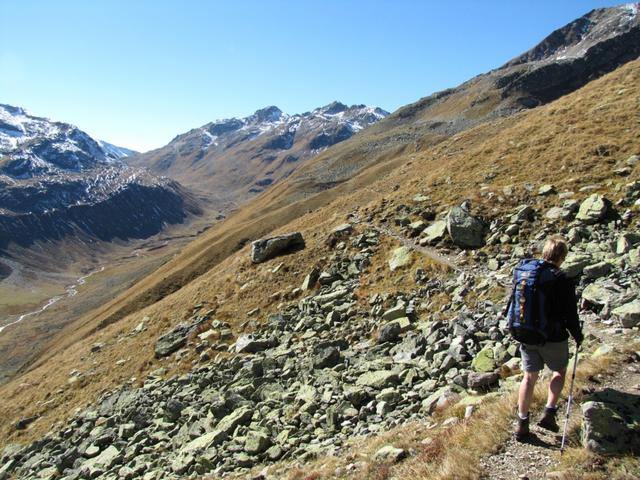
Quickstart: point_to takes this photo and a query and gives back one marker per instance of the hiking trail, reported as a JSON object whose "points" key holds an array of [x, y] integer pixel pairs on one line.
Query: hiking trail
{"points": [[540, 455]]}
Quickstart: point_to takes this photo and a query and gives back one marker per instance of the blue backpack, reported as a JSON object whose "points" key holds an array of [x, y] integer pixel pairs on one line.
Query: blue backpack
{"points": [[527, 309]]}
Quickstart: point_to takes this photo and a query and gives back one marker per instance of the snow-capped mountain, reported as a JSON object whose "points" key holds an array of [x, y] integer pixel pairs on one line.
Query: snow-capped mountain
{"points": [[32, 146], [233, 159], [55, 180], [115, 151]]}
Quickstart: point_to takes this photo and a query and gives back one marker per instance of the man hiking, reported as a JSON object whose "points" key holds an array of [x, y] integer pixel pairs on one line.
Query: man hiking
{"points": [[542, 312]]}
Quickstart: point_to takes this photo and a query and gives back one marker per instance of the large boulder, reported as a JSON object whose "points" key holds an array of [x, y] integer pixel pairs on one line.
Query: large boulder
{"points": [[465, 230], [389, 454], [593, 209], [628, 314], [267, 248], [256, 442], [601, 293], [609, 423]]}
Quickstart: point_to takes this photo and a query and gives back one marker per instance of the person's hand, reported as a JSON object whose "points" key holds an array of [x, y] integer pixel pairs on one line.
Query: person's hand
{"points": [[579, 338]]}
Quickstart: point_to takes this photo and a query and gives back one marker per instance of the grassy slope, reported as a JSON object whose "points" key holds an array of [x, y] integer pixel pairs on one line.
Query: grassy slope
{"points": [[557, 143]]}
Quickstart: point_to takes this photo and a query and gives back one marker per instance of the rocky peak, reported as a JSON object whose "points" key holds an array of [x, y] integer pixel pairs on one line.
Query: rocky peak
{"points": [[333, 108], [267, 114], [575, 39]]}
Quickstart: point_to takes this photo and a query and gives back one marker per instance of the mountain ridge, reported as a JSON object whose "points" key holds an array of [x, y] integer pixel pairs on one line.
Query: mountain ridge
{"points": [[231, 160]]}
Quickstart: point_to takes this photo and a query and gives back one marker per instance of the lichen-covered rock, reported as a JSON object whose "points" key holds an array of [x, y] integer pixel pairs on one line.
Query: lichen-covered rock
{"points": [[465, 230], [484, 361], [378, 379], [628, 314], [401, 257], [609, 422], [593, 209], [434, 232]]}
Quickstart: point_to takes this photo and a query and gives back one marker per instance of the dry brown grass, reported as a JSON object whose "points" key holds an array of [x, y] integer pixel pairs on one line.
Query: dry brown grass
{"points": [[558, 143]]}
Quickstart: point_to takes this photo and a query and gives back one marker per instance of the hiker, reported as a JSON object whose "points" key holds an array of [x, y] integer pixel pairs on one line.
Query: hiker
{"points": [[542, 312]]}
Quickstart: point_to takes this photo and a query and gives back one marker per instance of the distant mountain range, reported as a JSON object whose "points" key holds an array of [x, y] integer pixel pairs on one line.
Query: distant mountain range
{"points": [[55, 180], [233, 159]]}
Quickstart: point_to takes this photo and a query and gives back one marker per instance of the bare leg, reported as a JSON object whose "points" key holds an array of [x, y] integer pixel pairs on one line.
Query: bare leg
{"points": [[555, 387], [526, 391]]}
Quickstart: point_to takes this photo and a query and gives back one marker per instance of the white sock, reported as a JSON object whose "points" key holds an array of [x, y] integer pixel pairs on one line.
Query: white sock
{"points": [[523, 416], [552, 407]]}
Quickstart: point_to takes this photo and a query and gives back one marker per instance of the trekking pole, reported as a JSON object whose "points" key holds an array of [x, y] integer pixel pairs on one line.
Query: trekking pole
{"points": [[569, 400]]}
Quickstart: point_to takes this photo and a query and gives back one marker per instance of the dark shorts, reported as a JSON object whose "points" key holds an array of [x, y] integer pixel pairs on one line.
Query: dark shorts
{"points": [[554, 355]]}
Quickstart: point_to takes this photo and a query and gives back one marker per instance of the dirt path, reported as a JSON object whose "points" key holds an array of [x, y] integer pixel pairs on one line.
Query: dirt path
{"points": [[411, 244], [532, 460]]}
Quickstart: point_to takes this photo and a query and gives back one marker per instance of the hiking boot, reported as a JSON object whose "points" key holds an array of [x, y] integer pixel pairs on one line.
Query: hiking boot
{"points": [[522, 429], [548, 420]]}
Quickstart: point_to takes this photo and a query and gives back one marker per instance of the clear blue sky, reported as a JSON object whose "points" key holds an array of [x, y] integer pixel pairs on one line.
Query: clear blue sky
{"points": [[138, 72]]}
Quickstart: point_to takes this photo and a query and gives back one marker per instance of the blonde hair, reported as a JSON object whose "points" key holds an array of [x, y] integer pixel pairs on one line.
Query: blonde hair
{"points": [[555, 249]]}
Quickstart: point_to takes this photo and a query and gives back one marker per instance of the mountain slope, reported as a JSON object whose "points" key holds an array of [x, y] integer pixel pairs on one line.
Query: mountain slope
{"points": [[234, 159], [578, 143], [613, 39]]}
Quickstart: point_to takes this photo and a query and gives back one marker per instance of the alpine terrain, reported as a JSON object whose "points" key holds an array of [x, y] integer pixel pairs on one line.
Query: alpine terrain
{"points": [[347, 321], [231, 160]]}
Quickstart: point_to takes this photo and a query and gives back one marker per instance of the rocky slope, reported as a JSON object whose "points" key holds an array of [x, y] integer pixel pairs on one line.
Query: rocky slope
{"points": [[326, 367], [234, 159], [359, 331], [56, 181]]}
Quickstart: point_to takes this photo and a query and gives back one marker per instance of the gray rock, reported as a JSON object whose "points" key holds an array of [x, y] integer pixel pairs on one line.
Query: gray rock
{"points": [[311, 279], [249, 344], [602, 293], [434, 232], [478, 380], [268, 248], [597, 270], [378, 379], [394, 313], [524, 213], [593, 209], [626, 241], [607, 427], [175, 339], [465, 230], [575, 263], [389, 332], [241, 416], [205, 442], [389, 454], [628, 314], [547, 189], [256, 442], [326, 357], [555, 213], [343, 229], [401, 257], [103, 462]]}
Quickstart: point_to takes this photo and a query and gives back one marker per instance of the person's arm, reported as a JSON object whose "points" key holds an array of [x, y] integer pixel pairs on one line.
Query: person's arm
{"points": [[571, 316]]}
